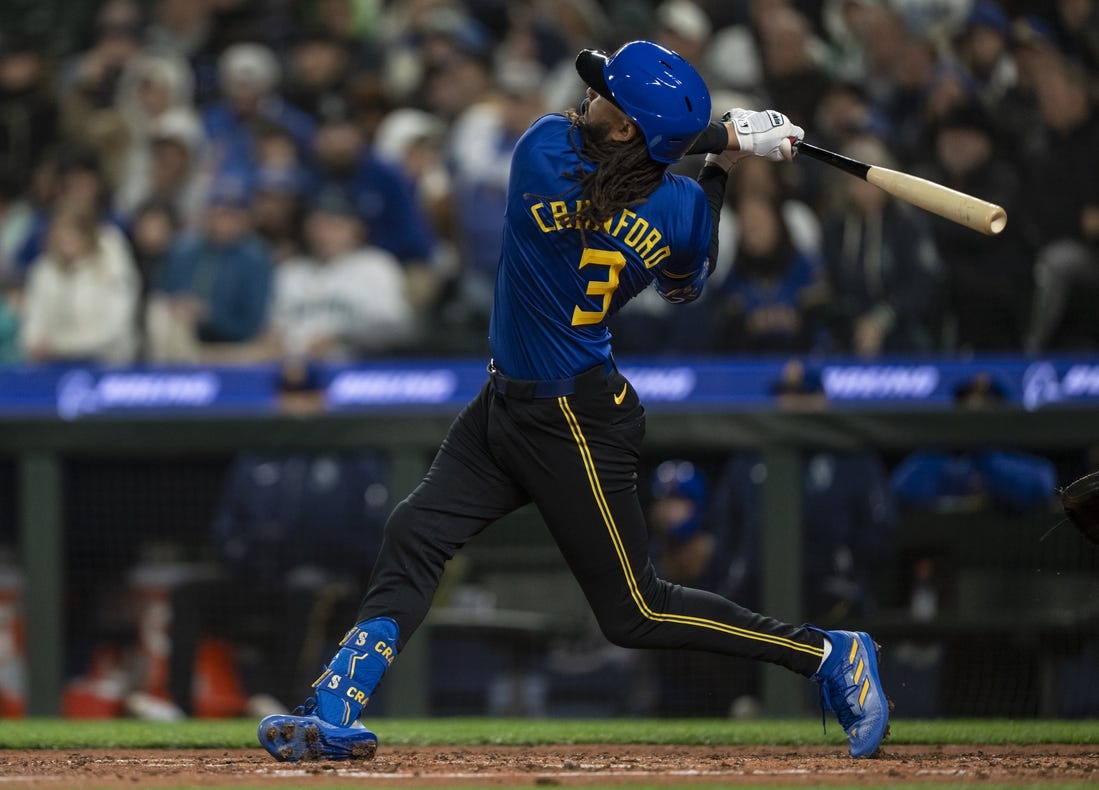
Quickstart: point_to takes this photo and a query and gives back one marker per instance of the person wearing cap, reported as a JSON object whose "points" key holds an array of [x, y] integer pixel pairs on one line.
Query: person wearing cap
{"points": [[385, 199], [683, 546], [593, 218], [209, 300], [249, 77], [1063, 211], [154, 103], [277, 208], [689, 548], [343, 299], [984, 48], [987, 280]]}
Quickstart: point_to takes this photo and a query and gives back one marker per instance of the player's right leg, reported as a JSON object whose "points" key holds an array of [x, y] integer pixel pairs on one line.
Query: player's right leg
{"points": [[464, 491]]}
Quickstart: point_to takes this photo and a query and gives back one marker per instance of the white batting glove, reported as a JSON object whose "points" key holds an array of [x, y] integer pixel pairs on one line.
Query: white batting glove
{"points": [[768, 133]]}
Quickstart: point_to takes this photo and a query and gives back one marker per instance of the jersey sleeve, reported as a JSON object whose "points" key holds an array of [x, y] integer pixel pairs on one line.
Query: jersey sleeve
{"points": [[681, 277]]}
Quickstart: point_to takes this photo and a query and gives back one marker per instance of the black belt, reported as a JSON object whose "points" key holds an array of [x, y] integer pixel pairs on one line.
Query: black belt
{"points": [[521, 389]]}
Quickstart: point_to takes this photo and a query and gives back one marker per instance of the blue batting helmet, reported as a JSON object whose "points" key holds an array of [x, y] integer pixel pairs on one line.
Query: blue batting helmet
{"points": [[659, 90]]}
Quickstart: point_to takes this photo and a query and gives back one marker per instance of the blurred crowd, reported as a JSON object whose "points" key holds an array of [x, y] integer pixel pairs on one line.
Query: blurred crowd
{"points": [[202, 181]]}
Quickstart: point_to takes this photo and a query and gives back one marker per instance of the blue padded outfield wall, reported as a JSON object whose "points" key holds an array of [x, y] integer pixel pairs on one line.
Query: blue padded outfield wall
{"points": [[431, 386]]}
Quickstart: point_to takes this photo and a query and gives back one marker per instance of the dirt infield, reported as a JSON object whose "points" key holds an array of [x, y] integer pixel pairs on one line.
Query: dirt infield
{"points": [[557, 765]]}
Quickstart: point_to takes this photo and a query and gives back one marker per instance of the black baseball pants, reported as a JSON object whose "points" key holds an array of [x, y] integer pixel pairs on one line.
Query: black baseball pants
{"points": [[575, 456]]}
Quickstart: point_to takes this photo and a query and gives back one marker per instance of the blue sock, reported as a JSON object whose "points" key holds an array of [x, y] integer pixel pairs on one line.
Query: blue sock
{"points": [[351, 676]]}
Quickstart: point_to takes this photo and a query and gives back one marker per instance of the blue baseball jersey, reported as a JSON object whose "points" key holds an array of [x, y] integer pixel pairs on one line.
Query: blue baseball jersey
{"points": [[556, 287]]}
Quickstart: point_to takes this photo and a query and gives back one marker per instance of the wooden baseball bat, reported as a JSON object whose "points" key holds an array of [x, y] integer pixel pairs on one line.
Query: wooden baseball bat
{"points": [[980, 215]]}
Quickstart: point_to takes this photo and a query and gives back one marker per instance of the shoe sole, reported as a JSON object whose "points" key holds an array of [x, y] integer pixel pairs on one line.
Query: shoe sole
{"points": [[291, 742]]}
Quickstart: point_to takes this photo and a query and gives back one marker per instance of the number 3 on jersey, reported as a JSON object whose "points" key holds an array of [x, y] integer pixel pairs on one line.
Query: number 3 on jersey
{"points": [[614, 261]]}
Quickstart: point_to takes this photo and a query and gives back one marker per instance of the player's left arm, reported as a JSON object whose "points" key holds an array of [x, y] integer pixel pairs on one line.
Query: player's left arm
{"points": [[739, 133], [681, 277]]}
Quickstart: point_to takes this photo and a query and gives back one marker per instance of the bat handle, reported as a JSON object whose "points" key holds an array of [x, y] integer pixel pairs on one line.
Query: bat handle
{"points": [[852, 166]]}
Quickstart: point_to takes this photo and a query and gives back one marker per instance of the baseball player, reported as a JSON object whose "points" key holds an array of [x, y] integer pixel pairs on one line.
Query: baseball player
{"points": [[593, 218]]}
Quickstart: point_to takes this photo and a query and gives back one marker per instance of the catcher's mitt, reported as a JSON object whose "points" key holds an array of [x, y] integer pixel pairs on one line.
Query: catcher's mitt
{"points": [[1080, 499]]}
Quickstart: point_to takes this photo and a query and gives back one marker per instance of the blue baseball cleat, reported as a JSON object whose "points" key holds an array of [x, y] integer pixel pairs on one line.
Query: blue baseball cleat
{"points": [[851, 688], [292, 738]]}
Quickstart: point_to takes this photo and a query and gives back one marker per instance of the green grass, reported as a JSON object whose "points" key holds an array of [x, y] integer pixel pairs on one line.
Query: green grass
{"points": [[234, 734]]}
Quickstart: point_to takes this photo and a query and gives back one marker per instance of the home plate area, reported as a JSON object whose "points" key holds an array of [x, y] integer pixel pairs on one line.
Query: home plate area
{"points": [[558, 765]]}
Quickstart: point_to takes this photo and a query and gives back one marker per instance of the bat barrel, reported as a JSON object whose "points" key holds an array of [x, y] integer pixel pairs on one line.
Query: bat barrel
{"points": [[980, 215]]}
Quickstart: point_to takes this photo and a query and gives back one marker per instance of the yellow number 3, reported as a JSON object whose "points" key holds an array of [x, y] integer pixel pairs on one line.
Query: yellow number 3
{"points": [[614, 261]]}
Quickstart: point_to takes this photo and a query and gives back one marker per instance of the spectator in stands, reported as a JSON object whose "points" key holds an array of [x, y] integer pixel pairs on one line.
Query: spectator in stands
{"points": [[1001, 478], [1076, 25], [209, 300], [277, 209], [846, 111], [89, 82], [10, 352], [683, 26], [881, 266], [984, 49], [773, 298], [344, 299], [987, 279], [81, 295], [413, 141], [849, 525], [182, 29], [318, 74], [16, 221], [684, 544], [551, 34], [384, 199], [276, 151], [792, 76], [438, 55], [479, 148], [1017, 114], [175, 172], [884, 35], [153, 232], [689, 547], [1064, 211], [458, 68], [75, 177], [249, 76], [799, 217], [918, 64], [844, 24], [28, 108], [153, 103]]}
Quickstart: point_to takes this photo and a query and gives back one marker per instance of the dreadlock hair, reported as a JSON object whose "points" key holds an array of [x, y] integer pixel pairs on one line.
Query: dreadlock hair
{"points": [[625, 175]]}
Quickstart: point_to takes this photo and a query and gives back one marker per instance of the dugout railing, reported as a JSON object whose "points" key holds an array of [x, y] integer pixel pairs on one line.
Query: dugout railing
{"points": [[37, 453]]}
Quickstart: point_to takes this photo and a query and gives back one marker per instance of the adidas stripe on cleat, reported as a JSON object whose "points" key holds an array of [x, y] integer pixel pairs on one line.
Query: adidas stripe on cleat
{"points": [[292, 739]]}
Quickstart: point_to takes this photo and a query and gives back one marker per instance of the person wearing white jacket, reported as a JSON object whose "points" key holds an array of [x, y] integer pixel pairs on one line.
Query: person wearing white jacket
{"points": [[82, 295], [345, 299]]}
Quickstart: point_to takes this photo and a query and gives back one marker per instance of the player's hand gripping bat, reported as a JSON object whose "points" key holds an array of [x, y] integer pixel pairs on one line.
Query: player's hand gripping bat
{"points": [[980, 215]]}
